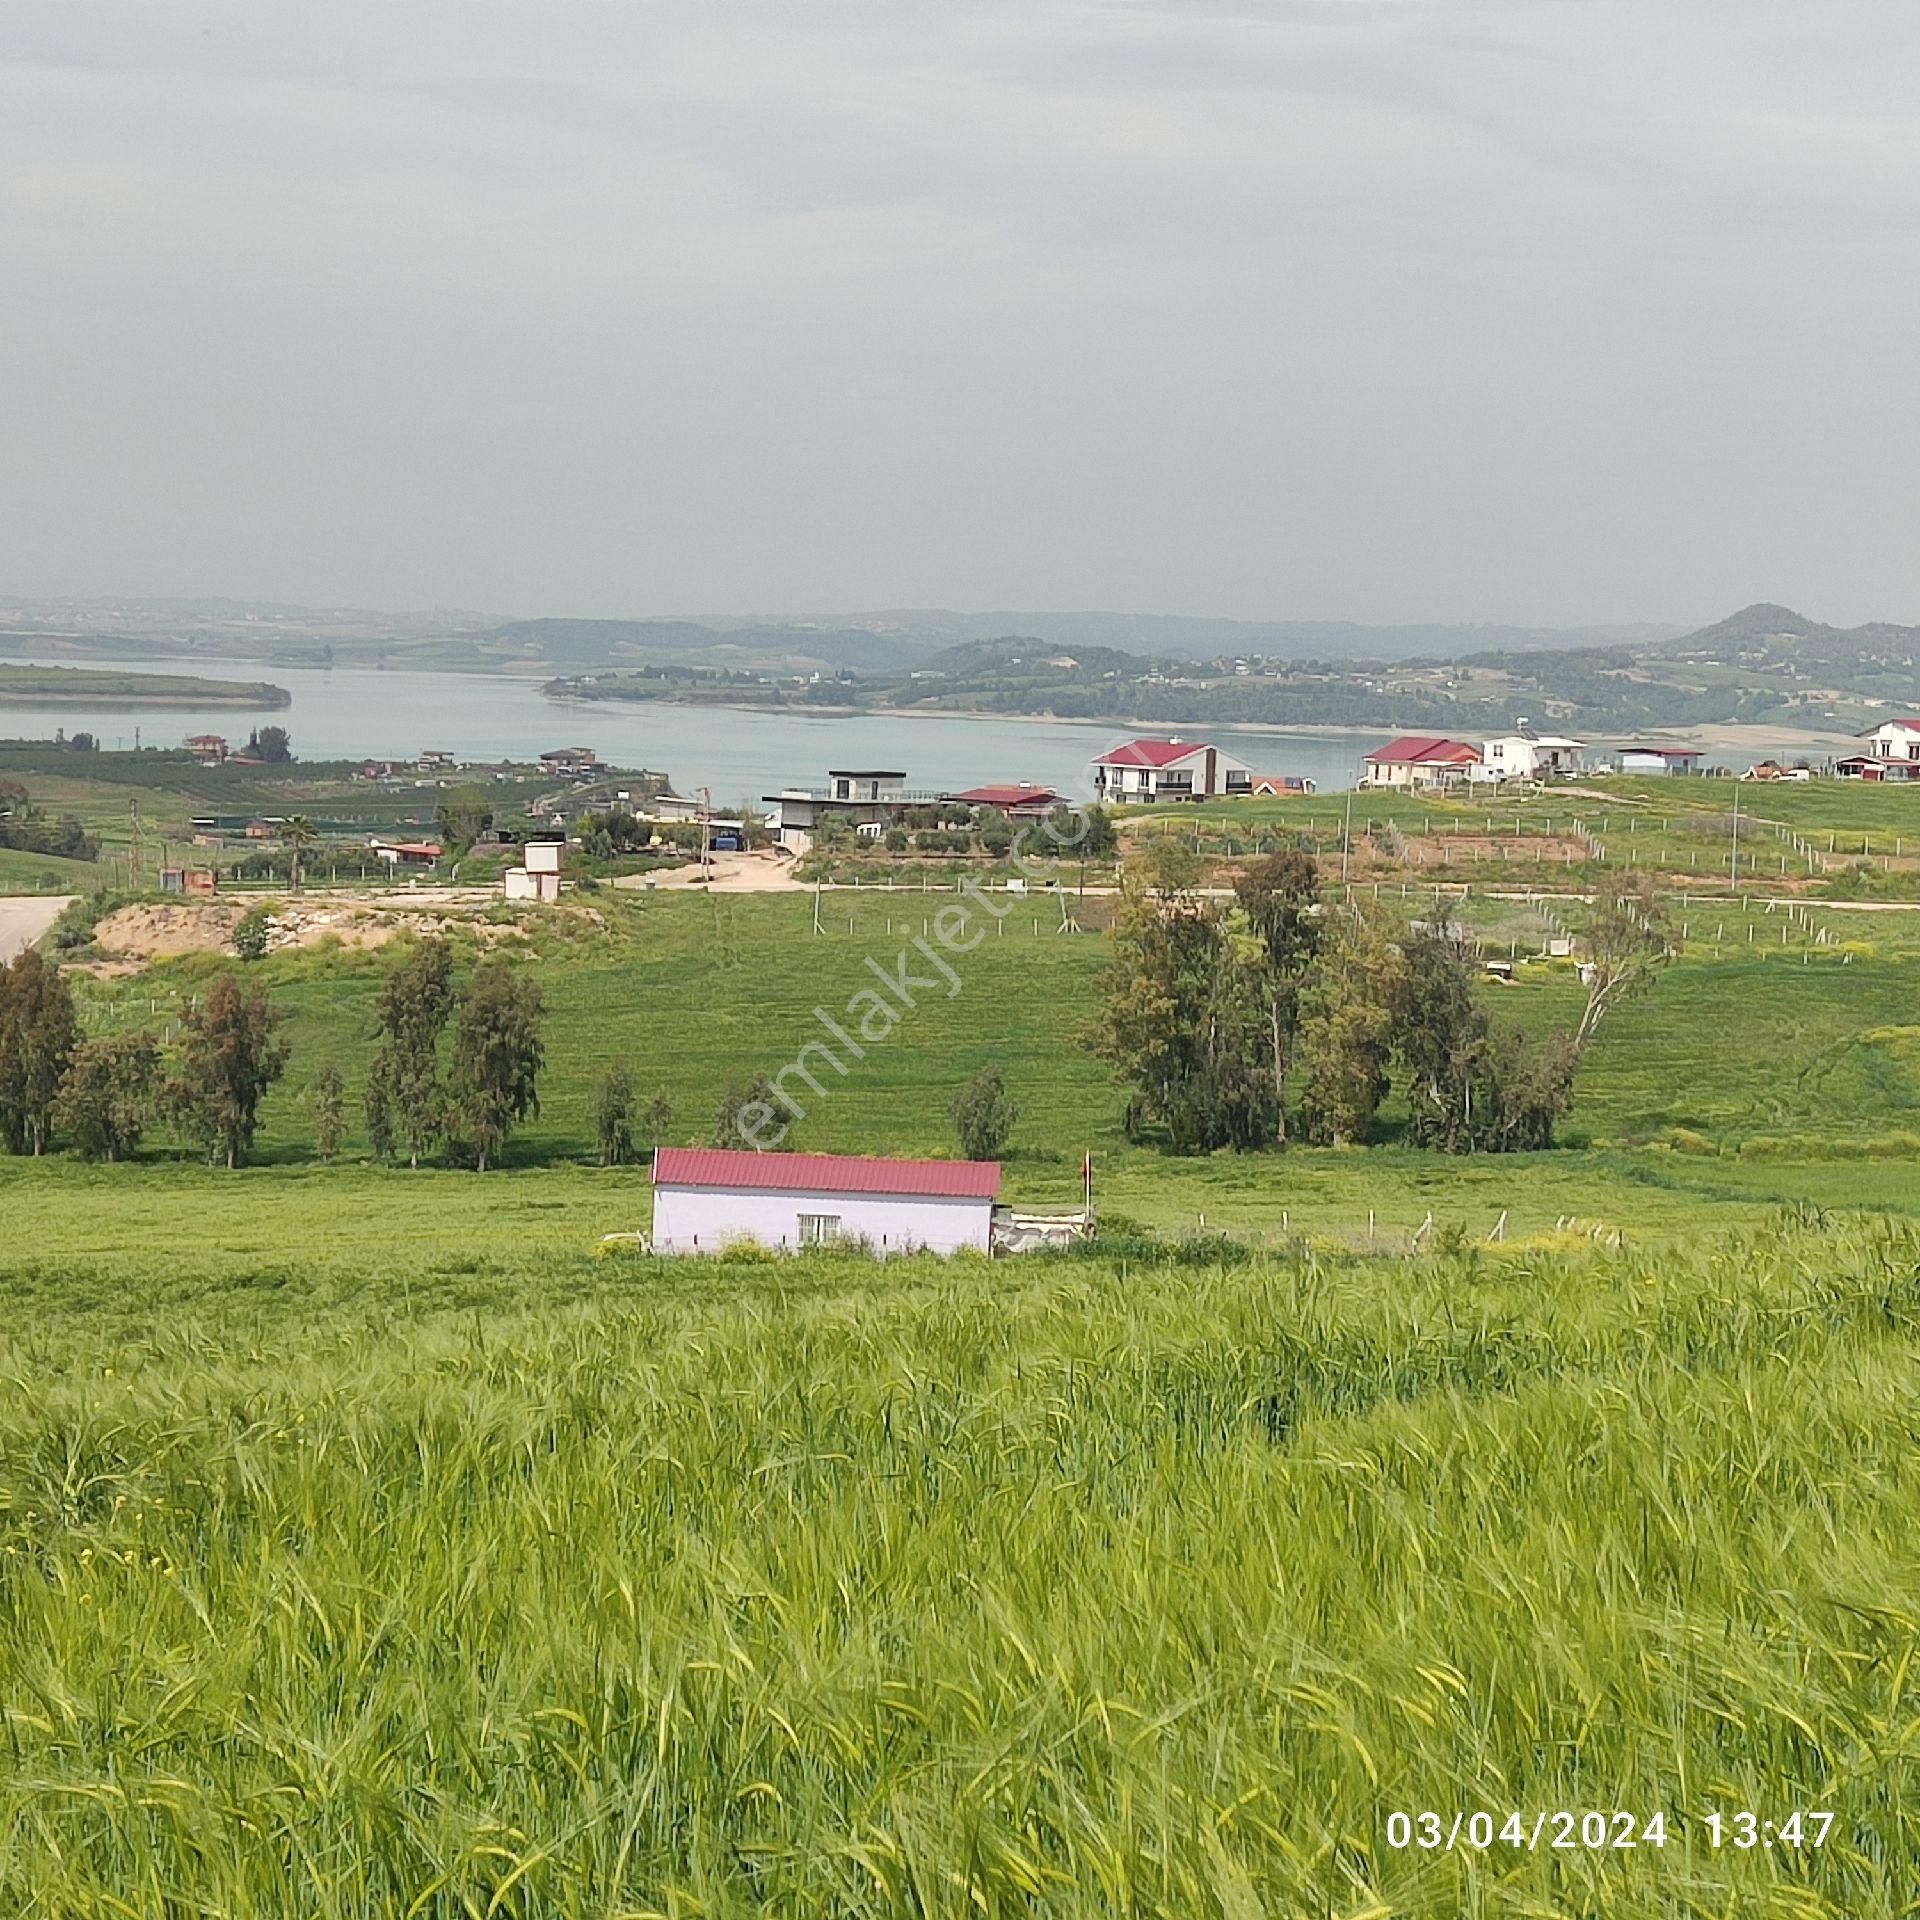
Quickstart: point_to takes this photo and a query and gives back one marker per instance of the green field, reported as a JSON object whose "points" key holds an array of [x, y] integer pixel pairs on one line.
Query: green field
{"points": [[379, 1543], [415, 1562]]}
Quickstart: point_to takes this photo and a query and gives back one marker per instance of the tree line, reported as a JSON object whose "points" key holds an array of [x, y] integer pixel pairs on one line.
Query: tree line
{"points": [[1237, 1022], [101, 1095], [26, 827]]}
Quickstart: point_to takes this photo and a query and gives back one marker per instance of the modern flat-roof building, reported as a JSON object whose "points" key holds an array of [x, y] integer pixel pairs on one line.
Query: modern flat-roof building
{"points": [[706, 1199]]}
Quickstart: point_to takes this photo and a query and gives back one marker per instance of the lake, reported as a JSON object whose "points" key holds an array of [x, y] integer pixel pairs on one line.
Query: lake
{"points": [[350, 713]]}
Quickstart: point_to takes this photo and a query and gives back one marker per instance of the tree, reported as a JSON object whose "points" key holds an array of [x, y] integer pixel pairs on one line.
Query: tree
{"points": [[1279, 896], [497, 1057], [656, 1117], [405, 1098], [250, 936], [38, 1032], [464, 815], [1182, 1021], [1348, 1025], [229, 1057], [613, 1119], [1626, 946], [329, 1110], [1097, 838], [749, 1111], [983, 1116], [106, 1097], [995, 831], [299, 833], [615, 831], [272, 744]]}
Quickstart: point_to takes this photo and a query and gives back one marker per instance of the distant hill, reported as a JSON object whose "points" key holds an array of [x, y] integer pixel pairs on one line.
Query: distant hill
{"points": [[1765, 627], [1195, 637], [1875, 663], [614, 643]]}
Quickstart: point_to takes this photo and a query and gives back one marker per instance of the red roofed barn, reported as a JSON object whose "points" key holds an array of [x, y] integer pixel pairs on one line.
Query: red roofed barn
{"points": [[706, 1199], [1140, 772]]}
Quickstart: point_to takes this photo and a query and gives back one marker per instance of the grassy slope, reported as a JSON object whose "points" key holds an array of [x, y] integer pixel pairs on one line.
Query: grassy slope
{"points": [[26, 873], [394, 1575], [1737, 1043]]}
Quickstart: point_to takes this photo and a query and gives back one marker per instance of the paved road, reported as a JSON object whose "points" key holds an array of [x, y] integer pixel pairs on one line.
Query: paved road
{"points": [[24, 920]]}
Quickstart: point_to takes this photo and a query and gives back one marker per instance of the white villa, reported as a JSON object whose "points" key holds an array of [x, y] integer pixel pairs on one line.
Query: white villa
{"points": [[1527, 755], [1141, 772]]}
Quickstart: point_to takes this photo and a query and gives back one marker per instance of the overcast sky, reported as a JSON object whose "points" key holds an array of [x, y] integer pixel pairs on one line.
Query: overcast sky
{"points": [[1536, 310]]}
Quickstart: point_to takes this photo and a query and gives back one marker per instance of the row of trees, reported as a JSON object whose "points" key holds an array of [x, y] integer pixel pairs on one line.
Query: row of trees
{"points": [[1234, 1021], [952, 827], [103, 1093], [26, 827], [470, 1101]]}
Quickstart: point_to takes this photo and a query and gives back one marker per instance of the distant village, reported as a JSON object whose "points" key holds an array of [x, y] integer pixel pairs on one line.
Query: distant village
{"points": [[872, 803]]}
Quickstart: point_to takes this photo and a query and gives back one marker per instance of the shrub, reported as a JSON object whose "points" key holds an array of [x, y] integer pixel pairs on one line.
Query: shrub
{"points": [[983, 1116], [250, 936]]}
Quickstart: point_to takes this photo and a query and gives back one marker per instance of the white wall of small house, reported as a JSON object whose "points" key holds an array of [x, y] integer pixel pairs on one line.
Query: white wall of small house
{"points": [[707, 1219]]}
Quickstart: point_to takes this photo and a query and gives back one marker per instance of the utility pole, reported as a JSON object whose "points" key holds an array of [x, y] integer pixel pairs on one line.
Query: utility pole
{"points": [[1346, 838], [1733, 868], [136, 862]]}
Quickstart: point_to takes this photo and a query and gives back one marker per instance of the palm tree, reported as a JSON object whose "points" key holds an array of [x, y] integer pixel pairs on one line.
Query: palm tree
{"points": [[299, 833]]}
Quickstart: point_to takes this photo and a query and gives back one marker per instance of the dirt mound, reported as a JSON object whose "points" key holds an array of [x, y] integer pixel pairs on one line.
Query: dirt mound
{"points": [[138, 934], [191, 926]]}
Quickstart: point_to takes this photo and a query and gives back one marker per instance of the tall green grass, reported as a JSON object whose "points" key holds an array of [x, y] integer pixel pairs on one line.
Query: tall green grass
{"points": [[483, 1584]]}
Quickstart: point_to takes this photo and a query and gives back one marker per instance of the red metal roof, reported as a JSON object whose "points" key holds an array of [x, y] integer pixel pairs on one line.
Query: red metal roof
{"points": [[1423, 749], [1014, 796], [1149, 753], [826, 1173]]}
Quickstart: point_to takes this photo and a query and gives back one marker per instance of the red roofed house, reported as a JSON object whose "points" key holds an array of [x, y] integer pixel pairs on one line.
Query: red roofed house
{"points": [[706, 1199], [209, 749], [408, 853], [1139, 772], [1275, 785], [1421, 760], [1021, 801]]}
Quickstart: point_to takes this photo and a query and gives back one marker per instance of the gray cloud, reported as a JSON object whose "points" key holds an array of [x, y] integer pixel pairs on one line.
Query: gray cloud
{"points": [[1504, 309]]}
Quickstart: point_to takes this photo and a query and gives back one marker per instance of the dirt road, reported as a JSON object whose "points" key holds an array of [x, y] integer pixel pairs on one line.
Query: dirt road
{"points": [[24, 919], [732, 873]]}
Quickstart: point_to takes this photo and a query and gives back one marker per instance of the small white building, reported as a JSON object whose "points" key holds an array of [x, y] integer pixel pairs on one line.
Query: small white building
{"points": [[706, 1199], [1642, 758], [538, 875], [1141, 772], [1526, 755]]}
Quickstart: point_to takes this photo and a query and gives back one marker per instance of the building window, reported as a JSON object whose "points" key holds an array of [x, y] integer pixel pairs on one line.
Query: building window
{"points": [[819, 1229]]}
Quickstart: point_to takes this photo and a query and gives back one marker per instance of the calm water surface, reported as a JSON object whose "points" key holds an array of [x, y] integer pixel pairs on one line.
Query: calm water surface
{"points": [[342, 713]]}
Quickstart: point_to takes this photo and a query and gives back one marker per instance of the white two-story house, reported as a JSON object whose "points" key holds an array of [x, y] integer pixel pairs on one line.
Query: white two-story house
{"points": [[1141, 772]]}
